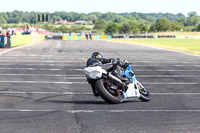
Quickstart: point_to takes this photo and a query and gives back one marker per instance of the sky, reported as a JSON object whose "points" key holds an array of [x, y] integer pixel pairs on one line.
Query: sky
{"points": [[103, 6]]}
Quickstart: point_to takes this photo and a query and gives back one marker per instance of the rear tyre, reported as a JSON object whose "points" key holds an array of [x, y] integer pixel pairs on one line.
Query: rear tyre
{"points": [[112, 96]]}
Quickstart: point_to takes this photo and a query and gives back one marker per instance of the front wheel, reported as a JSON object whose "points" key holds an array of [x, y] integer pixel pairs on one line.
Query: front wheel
{"points": [[110, 95], [144, 93]]}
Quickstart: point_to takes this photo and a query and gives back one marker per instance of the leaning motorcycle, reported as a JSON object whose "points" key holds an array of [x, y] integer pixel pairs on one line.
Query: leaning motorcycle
{"points": [[115, 82]]}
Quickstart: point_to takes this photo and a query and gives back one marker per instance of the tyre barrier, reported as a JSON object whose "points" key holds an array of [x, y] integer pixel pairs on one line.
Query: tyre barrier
{"points": [[65, 37], [141, 37], [118, 36], [166, 36], [104, 37], [57, 37], [41, 37]]}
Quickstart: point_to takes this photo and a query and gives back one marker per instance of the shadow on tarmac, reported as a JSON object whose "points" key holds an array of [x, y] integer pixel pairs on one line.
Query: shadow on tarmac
{"points": [[88, 102], [77, 102], [101, 101]]}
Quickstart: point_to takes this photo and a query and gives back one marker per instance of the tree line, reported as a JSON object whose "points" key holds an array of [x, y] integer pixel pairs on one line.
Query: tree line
{"points": [[111, 23]]}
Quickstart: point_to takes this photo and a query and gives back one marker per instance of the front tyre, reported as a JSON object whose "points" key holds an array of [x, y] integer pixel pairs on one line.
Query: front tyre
{"points": [[112, 96], [144, 93]]}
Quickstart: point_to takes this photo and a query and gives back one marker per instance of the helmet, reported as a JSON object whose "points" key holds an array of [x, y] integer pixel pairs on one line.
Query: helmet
{"points": [[97, 55]]}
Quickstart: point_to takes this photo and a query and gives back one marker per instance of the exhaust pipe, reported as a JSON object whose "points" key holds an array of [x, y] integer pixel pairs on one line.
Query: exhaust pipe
{"points": [[114, 78], [124, 86]]}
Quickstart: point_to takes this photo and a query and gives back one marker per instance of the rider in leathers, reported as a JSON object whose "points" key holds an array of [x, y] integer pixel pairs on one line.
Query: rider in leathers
{"points": [[98, 60]]}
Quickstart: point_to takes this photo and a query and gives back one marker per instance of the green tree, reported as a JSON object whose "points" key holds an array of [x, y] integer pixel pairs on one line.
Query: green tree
{"points": [[183, 20], [136, 16], [198, 28], [125, 28], [153, 27], [130, 27], [101, 24], [55, 18], [129, 17], [69, 16], [163, 24], [108, 16], [192, 14], [135, 27], [2, 19], [144, 27], [92, 17], [32, 18], [176, 26], [112, 28], [193, 21], [81, 17], [118, 19]]}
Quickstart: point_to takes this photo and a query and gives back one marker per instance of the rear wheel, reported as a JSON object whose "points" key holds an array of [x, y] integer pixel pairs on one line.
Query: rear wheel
{"points": [[110, 95]]}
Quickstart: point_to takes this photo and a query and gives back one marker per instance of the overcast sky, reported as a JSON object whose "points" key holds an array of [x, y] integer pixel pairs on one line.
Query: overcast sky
{"points": [[118, 6]]}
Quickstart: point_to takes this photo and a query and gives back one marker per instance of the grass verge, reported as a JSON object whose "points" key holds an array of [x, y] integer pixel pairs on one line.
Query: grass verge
{"points": [[185, 45]]}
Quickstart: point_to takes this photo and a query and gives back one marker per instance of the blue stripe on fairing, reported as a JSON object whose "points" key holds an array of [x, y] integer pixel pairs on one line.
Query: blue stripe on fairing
{"points": [[125, 94], [127, 73]]}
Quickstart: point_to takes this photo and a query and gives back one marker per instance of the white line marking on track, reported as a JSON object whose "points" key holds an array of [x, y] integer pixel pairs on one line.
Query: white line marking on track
{"points": [[26, 64], [149, 70], [170, 83], [175, 93], [83, 65], [63, 93], [33, 75], [1, 53], [148, 76], [53, 82], [44, 61], [81, 93], [167, 70], [43, 82], [45, 75], [84, 77], [5, 68], [91, 111], [76, 77], [167, 65], [75, 69], [168, 76]]}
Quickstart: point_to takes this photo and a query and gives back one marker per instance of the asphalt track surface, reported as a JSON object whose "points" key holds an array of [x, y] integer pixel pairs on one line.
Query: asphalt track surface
{"points": [[43, 90]]}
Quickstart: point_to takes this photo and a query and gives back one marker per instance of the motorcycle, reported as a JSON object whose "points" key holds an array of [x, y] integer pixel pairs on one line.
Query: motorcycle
{"points": [[115, 82]]}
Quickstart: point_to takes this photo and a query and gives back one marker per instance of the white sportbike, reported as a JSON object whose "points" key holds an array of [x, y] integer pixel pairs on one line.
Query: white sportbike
{"points": [[115, 83]]}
